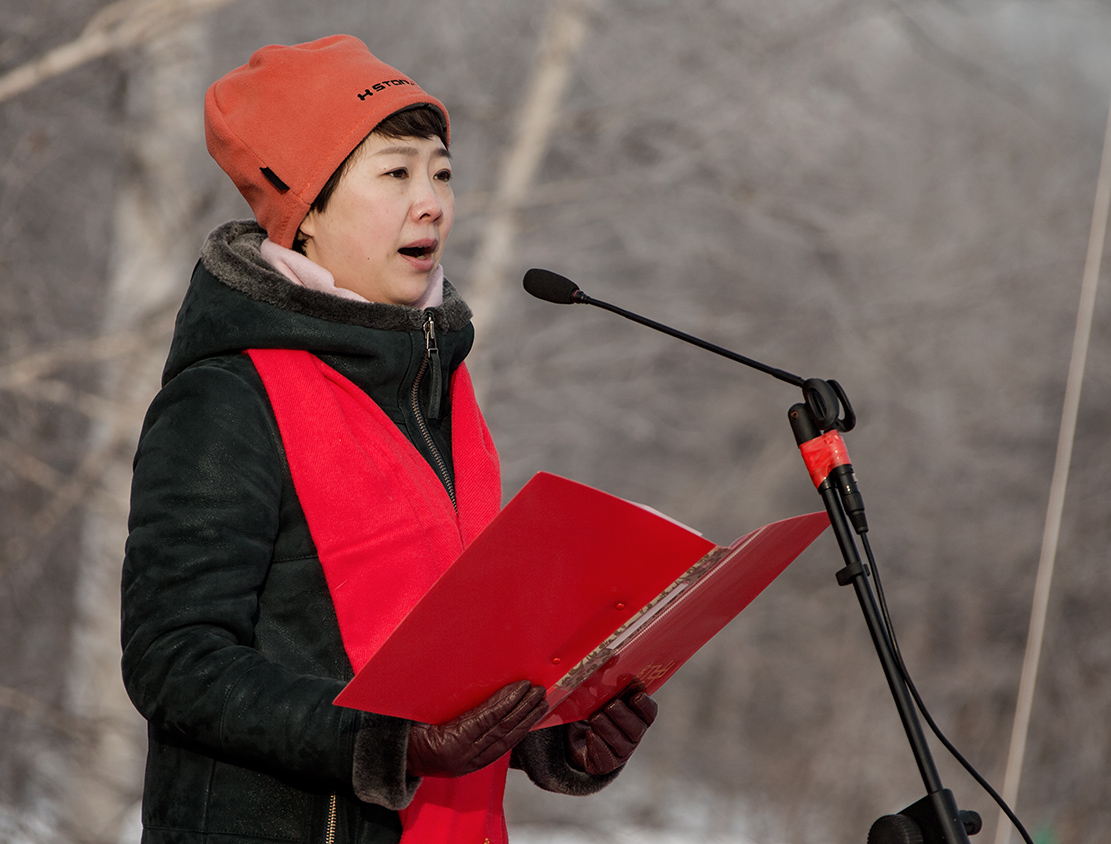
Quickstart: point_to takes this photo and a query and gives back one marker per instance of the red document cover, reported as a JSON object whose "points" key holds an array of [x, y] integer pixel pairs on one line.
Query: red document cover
{"points": [[576, 590]]}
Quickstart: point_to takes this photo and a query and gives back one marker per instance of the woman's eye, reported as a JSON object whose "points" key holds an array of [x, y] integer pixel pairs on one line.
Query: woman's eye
{"points": [[444, 175], [399, 173]]}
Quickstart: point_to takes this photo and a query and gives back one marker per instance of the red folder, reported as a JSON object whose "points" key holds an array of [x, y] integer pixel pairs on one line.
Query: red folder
{"points": [[576, 590]]}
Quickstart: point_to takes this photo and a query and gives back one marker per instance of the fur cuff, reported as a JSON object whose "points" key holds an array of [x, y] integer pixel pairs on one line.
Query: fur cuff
{"points": [[542, 754], [378, 773]]}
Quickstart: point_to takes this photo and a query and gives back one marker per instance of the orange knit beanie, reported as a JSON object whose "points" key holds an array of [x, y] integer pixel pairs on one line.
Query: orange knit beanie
{"points": [[281, 124]]}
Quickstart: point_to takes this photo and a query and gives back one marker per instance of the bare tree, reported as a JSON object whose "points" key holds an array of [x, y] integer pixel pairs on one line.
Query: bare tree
{"points": [[156, 204]]}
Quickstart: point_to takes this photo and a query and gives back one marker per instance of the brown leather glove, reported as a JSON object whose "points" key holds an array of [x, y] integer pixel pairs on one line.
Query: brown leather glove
{"points": [[476, 738], [604, 742]]}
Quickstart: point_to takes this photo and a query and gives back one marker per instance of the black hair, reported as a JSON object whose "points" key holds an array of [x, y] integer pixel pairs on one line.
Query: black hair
{"points": [[419, 121]]}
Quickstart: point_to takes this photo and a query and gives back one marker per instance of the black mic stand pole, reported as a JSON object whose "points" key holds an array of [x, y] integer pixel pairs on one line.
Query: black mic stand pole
{"points": [[817, 424], [935, 819]]}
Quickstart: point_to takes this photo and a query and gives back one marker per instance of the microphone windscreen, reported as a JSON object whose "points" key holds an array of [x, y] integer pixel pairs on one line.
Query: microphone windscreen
{"points": [[551, 287]]}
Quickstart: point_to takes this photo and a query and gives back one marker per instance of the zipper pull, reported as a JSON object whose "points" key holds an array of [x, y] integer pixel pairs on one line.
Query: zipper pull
{"points": [[432, 355]]}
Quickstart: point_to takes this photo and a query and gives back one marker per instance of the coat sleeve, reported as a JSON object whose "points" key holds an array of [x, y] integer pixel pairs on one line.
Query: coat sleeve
{"points": [[542, 755], [205, 512]]}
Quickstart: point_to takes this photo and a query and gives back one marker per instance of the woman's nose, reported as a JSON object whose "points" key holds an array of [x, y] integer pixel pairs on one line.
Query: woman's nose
{"points": [[427, 203]]}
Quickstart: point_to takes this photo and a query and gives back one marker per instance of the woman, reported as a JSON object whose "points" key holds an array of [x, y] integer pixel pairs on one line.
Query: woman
{"points": [[314, 460]]}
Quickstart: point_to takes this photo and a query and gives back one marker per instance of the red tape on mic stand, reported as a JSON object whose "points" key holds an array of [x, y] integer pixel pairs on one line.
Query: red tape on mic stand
{"points": [[823, 454]]}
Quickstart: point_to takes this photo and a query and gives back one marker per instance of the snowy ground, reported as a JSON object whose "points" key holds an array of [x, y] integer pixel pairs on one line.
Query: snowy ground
{"points": [[25, 831], [629, 835], [619, 815]]}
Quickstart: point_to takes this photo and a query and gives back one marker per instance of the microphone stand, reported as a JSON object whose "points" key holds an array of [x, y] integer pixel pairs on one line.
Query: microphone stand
{"points": [[817, 424], [935, 819]]}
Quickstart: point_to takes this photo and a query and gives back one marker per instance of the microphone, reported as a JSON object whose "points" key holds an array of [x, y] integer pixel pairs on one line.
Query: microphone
{"points": [[552, 287]]}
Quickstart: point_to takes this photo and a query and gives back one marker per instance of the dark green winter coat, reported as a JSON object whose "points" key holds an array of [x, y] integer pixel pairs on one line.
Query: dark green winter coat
{"points": [[231, 649]]}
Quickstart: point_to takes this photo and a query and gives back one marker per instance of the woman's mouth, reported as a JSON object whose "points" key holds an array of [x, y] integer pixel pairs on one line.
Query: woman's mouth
{"points": [[421, 250]]}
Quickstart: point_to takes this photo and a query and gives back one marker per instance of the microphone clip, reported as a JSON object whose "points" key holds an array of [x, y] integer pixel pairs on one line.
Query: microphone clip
{"points": [[824, 400]]}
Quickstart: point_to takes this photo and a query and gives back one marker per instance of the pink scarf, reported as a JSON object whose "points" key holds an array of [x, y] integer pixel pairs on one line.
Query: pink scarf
{"points": [[305, 272]]}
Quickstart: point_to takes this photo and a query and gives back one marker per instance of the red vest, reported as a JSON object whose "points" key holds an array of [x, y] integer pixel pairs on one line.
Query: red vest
{"points": [[385, 529]]}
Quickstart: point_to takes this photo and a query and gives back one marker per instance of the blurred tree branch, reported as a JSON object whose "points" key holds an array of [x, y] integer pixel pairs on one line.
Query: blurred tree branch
{"points": [[31, 707], [562, 38], [116, 27], [973, 71], [16, 374], [73, 491]]}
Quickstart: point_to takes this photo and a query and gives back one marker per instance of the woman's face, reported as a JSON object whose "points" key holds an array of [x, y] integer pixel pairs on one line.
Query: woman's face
{"points": [[384, 228]]}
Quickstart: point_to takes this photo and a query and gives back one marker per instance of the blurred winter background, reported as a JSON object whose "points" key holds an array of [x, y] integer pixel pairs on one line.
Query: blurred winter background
{"points": [[894, 193]]}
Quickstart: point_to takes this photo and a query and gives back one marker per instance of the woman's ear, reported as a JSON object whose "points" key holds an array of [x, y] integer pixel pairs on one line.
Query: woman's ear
{"points": [[305, 234], [308, 226]]}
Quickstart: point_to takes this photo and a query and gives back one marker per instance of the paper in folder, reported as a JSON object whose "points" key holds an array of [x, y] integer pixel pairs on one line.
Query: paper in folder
{"points": [[576, 590]]}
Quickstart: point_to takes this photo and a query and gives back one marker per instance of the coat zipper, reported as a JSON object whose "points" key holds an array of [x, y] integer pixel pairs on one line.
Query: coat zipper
{"points": [[431, 362], [330, 828], [432, 356]]}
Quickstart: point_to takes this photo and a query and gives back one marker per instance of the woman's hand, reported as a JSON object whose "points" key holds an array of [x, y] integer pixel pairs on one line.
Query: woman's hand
{"points": [[604, 742], [478, 737]]}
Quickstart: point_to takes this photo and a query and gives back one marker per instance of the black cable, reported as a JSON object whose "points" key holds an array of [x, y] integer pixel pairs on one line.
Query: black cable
{"points": [[922, 706]]}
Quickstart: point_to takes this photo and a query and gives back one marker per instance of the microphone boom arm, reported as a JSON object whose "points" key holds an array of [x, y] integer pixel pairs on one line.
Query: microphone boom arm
{"points": [[790, 378], [823, 398]]}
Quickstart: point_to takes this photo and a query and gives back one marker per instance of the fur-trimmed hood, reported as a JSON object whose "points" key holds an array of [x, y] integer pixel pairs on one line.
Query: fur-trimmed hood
{"points": [[237, 301]]}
